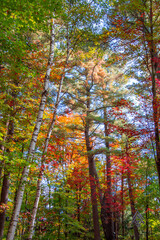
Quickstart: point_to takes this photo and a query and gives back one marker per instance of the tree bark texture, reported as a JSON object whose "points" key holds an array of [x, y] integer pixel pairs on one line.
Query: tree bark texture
{"points": [[92, 174], [4, 200], [122, 204], [2, 148], [153, 67], [131, 196], [5, 184], [38, 192], [155, 102], [106, 207], [133, 209], [21, 187]]}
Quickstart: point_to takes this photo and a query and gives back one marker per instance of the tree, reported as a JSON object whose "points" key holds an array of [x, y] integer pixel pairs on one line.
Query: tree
{"points": [[136, 28], [20, 191]]}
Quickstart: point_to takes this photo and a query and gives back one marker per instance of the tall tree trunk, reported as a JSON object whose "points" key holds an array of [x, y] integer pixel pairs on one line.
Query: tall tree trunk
{"points": [[131, 197], [59, 218], [155, 103], [147, 202], [2, 148], [38, 192], [133, 209], [66, 213], [92, 173], [5, 184], [147, 222], [3, 202], [122, 204], [21, 187], [94, 198], [106, 207], [79, 189]]}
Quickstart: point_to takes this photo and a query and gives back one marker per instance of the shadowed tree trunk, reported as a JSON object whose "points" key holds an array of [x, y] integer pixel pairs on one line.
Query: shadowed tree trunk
{"points": [[2, 147], [147, 202], [133, 209], [4, 200], [106, 207], [122, 204], [92, 172], [155, 62], [6, 178], [131, 196], [5, 184]]}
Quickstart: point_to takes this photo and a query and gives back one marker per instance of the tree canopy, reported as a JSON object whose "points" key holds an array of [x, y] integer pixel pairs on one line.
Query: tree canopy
{"points": [[79, 111]]}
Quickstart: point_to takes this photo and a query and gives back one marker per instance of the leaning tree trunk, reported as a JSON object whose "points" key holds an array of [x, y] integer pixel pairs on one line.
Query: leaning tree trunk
{"points": [[92, 174], [21, 187], [38, 192]]}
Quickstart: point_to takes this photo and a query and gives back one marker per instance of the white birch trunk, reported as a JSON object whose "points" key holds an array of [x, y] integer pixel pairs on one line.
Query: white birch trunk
{"points": [[20, 190], [38, 193]]}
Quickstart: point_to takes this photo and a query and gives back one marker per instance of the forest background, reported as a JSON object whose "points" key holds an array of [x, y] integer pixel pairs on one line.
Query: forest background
{"points": [[79, 119]]}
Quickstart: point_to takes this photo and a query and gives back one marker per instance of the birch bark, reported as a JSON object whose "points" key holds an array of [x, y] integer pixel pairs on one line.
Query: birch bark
{"points": [[21, 187], [38, 193]]}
